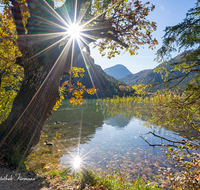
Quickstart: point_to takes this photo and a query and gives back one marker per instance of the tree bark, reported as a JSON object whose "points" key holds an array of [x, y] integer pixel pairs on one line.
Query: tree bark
{"points": [[21, 131]]}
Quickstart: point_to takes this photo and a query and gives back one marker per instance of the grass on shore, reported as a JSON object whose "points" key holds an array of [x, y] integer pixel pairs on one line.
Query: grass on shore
{"points": [[88, 179]]}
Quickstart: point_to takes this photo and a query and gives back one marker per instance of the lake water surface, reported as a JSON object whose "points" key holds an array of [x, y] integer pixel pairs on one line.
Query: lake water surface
{"points": [[106, 143]]}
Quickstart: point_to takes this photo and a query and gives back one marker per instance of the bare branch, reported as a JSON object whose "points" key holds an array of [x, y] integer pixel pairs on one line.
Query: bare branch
{"points": [[179, 142]]}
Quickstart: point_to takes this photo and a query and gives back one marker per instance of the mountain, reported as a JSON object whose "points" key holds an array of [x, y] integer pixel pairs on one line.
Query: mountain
{"points": [[133, 77], [149, 76], [94, 74], [118, 71]]}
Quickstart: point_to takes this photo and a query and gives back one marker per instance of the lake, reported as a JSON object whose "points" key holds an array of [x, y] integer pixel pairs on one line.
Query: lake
{"points": [[105, 142]]}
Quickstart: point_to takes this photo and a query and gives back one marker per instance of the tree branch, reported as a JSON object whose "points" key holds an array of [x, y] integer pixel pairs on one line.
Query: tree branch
{"points": [[179, 142], [110, 36]]}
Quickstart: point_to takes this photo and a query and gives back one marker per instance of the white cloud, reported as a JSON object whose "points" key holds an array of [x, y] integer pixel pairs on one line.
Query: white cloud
{"points": [[162, 7]]}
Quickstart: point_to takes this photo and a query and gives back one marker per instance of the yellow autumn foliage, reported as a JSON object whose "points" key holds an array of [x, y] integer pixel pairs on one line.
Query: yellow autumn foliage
{"points": [[11, 74]]}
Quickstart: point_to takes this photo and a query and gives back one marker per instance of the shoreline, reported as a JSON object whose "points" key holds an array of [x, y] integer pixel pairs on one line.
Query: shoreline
{"points": [[11, 179]]}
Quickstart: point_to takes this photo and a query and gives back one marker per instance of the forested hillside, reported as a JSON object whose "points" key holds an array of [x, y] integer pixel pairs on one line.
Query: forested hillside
{"points": [[133, 77], [150, 76], [107, 86]]}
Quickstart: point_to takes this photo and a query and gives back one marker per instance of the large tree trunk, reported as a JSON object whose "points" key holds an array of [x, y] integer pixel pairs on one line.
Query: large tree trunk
{"points": [[21, 131]]}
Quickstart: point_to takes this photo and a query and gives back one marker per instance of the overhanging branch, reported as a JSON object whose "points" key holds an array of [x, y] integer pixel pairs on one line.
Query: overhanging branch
{"points": [[110, 36], [183, 142]]}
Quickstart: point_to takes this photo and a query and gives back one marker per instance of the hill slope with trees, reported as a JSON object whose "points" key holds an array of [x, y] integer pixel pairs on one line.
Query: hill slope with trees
{"points": [[94, 76], [133, 77], [150, 76]]}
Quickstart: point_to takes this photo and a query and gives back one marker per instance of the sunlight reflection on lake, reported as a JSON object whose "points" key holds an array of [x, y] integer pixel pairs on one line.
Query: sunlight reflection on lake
{"points": [[107, 143]]}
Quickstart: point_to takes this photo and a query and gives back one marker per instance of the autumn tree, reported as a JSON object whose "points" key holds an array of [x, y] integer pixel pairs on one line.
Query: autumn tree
{"points": [[184, 37], [10, 73], [49, 49], [180, 108]]}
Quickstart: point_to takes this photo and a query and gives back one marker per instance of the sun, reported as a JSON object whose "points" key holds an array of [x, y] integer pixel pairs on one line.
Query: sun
{"points": [[77, 162], [74, 31]]}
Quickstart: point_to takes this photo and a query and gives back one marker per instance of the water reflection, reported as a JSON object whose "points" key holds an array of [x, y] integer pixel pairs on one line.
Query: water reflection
{"points": [[124, 151], [102, 144], [118, 121]]}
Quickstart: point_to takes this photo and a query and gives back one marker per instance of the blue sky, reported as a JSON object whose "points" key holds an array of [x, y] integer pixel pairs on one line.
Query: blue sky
{"points": [[166, 13]]}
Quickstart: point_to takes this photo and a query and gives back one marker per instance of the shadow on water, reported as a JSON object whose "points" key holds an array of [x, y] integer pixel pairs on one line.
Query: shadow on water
{"points": [[111, 143], [63, 128]]}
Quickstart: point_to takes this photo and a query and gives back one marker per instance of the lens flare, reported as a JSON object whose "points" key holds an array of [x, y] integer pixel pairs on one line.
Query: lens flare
{"points": [[74, 31], [77, 162]]}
